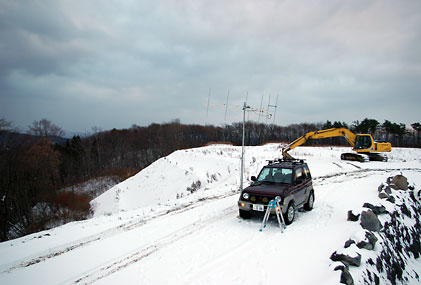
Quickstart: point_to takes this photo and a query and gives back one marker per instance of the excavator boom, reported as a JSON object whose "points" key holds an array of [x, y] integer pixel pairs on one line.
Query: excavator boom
{"points": [[328, 133]]}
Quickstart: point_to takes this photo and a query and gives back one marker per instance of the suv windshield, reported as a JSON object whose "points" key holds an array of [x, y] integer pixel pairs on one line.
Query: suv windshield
{"points": [[275, 175]]}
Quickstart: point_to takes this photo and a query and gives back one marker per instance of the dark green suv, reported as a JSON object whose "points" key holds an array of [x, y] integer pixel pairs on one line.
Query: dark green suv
{"points": [[286, 180]]}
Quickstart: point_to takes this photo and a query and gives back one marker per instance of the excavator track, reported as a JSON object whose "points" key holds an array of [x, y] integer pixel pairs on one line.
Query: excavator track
{"points": [[363, 157], [376, 157], [354, 157]]}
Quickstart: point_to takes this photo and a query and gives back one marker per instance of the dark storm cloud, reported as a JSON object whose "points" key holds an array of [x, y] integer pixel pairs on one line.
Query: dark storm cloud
{"points": [[116, 63], [36, 37]]}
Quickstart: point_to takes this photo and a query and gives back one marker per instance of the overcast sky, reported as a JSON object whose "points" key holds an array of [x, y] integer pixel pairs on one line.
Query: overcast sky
{"points": [[112, 64]]}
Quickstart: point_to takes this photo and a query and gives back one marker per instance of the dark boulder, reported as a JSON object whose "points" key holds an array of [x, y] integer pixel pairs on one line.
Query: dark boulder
{"points": [[383, 195], [352, 217], [370, 241], [346, 277], [399, 182], [369, 221], [391, 199], [346, 259], [348, 243], [378, 210]]}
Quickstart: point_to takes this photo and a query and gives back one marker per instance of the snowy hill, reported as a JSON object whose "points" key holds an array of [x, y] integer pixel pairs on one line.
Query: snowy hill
{"points": [[176, 222]]}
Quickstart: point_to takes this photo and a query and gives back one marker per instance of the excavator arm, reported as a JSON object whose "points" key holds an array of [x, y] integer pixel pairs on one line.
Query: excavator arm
{"points": [[328, 133]]}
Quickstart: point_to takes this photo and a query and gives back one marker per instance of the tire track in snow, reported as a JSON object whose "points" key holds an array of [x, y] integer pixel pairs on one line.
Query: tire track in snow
{"points": [[133, 224], [129, 259], [137, 255], [363, 172]]}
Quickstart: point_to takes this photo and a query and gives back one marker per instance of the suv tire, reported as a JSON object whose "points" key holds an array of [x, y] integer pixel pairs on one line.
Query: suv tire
{"points": [[310, 202], [290, 213], [244, 214]]}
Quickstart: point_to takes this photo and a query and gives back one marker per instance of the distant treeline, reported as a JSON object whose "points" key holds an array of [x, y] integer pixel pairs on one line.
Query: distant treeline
{"points": [[36, 165]]}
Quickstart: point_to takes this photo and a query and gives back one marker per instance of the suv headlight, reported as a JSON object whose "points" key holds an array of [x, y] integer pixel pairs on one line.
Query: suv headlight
{"points": [[246, 196]]}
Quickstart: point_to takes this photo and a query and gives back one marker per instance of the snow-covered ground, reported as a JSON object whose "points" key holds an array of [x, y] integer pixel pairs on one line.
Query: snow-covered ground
{"points": [[176, 222]]}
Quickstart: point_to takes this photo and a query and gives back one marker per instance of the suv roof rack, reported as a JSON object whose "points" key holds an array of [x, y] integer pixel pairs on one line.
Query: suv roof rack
{"points": [[279, 160]]}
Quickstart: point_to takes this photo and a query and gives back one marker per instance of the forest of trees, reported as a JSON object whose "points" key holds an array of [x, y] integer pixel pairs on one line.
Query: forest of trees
{"points": [[36, 165]]}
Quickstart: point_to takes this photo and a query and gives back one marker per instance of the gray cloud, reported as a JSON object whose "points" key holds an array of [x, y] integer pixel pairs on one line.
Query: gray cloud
{"points": [[113, 64]]}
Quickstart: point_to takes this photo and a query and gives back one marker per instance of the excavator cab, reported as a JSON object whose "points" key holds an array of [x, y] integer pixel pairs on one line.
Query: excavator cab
{"points": [[364, 143]]}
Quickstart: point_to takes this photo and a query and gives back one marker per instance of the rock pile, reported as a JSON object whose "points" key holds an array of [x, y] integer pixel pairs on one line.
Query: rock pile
{"points": [[394, 242], [398, 182]]}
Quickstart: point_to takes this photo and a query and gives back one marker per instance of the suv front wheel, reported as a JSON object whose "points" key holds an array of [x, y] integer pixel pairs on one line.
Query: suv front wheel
{"points": [[290, 213]]}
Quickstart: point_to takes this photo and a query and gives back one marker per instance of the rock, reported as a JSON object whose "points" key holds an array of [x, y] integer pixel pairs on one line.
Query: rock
{"points": [[388, 190], [348, 243], [383, 195], [372, 239], [364, 244], [417, 195], [370, 244], [378, 210], [346, 277], [406, 211], [380, 188], [352, 217], [399, 182], [369, 221], [391, 199], [346, 259], [340, 267]]}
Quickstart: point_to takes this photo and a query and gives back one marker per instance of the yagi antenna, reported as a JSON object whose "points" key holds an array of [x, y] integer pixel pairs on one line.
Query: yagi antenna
{"points": [[261, 103], [272, 106], [259, 112]]}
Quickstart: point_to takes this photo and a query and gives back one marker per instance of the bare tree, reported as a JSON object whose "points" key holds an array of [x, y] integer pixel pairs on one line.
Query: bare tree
{"points": [[96, 145], [5, 125], [45, 128], [96, 130], [417, 128]]}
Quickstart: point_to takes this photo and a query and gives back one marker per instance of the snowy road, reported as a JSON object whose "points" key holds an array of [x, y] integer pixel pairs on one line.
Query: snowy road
{"points": [[201, 240]]}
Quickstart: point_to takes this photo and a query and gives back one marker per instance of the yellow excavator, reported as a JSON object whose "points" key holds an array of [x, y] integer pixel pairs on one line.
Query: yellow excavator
{"points": [[363, 144]]}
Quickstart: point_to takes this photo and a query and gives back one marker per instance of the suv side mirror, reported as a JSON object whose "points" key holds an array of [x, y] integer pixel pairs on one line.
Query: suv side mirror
{"points": [[253, 178]]}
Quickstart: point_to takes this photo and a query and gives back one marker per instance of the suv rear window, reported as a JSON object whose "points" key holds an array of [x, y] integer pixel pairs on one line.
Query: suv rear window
{"points": [[299, 175], [307, 174], [275, 175]]}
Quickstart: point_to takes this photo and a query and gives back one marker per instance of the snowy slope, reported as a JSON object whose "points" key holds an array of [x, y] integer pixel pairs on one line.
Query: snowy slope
{"points": [[215, 167], [150, 229]]}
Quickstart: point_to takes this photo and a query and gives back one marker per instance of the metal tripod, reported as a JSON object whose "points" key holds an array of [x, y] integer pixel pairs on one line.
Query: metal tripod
{"points": [[273, 204]]}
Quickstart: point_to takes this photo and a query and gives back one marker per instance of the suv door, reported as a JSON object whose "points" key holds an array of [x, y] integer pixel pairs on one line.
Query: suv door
{"points": [[299, 189]]}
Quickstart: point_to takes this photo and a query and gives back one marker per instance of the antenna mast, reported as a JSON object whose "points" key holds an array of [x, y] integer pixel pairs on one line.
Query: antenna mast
{"points": [[245, 107], [207, 109], [226, 106]]}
